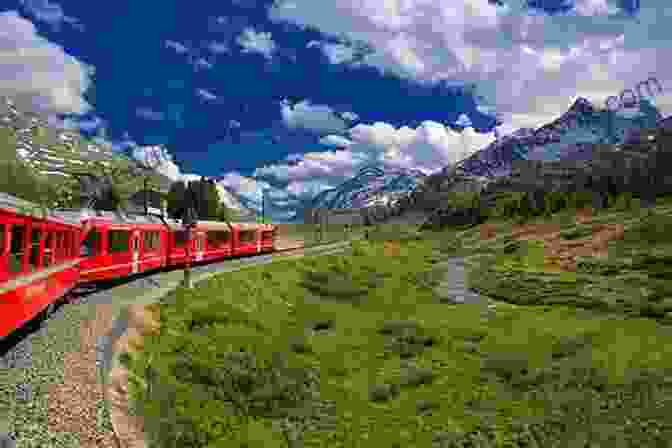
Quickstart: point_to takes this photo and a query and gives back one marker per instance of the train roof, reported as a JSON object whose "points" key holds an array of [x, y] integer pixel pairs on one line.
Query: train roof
{"points": [[81, 215], [219, 225], [23, 207]]}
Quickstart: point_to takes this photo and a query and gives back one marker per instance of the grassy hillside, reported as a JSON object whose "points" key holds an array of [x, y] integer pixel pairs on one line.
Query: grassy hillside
{"points": [[360, 349]]}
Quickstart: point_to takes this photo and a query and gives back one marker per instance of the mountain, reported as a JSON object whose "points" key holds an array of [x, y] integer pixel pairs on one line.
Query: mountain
{"points": [[56, 154], [569, 137], [233, 202]]}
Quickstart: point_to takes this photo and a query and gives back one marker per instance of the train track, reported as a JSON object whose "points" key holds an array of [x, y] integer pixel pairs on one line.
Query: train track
{"points": [[18, 352], [86, 293]]}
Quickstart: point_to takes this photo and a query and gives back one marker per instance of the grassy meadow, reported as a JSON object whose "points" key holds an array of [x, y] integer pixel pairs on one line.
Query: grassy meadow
{"points": [[356, 350]]}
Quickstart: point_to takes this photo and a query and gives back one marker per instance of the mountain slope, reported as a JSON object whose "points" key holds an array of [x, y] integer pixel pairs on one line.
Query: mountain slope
{"points": [[56, 155], [569, 137]]}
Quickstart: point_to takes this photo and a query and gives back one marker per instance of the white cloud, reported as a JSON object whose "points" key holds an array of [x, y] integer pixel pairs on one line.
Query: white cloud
{"points": [[218, 47], [349, 116], [149, 114], [202, 63], [429, 147], [335, 140], [158, 157], [206, 95], [74, 123], [51, 13], [336, 53], [463, 120], [38, 74], [595, 7], [178, 47], [527, 66], [256, 42], [318, 118]]}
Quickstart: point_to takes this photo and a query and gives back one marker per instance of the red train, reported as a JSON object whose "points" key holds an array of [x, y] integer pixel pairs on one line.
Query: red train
{"points": [[44, 256]]}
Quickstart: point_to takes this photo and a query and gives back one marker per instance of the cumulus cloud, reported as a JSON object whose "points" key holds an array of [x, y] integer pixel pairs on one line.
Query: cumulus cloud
{"points": [[256, 42], [50, 13], [335, 140], [38, 74], [529, 66], [318, 118], [428, 148], [206, 95], [336, 53]]}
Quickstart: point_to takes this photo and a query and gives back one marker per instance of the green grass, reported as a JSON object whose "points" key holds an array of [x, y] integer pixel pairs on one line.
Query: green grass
{"points": [[355, 350]]}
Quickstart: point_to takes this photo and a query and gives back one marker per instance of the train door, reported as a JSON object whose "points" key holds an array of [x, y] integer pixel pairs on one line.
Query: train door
{"points": [[135, 251], [200, 245]]}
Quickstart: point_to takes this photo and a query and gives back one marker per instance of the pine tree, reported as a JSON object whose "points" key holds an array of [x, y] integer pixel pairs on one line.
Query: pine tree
{"points": [[175, 199]]}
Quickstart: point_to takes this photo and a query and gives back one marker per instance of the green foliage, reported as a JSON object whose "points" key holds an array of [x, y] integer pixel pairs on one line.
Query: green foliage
{"points": [[18, 180]]}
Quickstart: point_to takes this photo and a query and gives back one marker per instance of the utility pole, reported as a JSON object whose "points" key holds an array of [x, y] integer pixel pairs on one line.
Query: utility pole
{"points": [[189, 222]]}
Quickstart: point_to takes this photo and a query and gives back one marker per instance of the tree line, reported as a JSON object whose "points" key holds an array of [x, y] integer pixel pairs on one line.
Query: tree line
{"points": [[203, 196]]}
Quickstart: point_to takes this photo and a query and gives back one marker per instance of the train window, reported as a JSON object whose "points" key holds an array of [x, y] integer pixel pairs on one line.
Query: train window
{"points": [[117, 241], [247, 236], [180, 238], [17, 248], [34, 260], [48, 249], [2, 239], [151, 241], [218, 238], [91, 245]]}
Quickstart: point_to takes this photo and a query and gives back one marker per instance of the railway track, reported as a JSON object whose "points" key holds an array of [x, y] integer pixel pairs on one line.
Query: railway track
{"points": [[26, 363], [84, 293]]}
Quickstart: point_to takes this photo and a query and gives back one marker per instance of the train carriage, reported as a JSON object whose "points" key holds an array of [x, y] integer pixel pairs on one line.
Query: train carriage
{"points": [[115, 245], [38, 261]]}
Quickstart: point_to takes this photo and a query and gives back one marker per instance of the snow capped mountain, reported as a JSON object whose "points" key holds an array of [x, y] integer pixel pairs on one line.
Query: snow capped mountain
{"points": [[570, 136]]}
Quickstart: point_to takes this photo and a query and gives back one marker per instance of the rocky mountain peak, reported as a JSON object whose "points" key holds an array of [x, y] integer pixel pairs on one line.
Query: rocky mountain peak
{"points": [[582, 106]]}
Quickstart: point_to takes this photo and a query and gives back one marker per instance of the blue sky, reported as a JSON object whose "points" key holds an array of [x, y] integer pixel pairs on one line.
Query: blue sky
{"points": [[297, 95]]}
